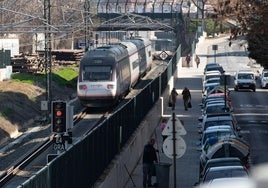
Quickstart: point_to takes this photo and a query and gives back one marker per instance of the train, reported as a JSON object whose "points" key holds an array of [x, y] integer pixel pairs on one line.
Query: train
{"points": [[107, 73]]}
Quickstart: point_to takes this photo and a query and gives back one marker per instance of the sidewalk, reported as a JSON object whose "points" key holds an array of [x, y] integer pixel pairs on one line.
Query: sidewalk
{"points": [[187, 167]]}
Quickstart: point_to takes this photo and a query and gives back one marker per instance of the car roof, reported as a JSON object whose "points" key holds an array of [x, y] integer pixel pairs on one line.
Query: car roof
{"points": [[216, 168], [223, 159], [220, 103], [245, 71], [211, 64], [222, 162], [239, 182], [212, 72], [227, 117], [214, 78], [219, 127]]}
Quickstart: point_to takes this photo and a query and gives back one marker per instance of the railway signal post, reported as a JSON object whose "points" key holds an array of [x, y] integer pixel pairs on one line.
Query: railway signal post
{"points": [[61, 124]]}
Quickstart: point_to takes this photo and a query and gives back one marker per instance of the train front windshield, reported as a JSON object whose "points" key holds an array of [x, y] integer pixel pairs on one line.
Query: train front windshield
{"points": [[97, 73]]}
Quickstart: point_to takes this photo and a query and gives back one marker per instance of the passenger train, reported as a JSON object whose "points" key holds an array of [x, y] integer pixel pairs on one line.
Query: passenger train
{"points": [[107, 73]]}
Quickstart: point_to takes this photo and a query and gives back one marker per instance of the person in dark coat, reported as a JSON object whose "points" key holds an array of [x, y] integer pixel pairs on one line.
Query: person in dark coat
{"points": [[197, 60], [173, 97], [188, 60], [186, 96], [148, 160]]}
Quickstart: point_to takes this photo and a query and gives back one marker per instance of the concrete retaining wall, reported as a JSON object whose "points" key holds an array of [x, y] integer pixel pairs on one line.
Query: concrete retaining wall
{"points": [[116, 174]]}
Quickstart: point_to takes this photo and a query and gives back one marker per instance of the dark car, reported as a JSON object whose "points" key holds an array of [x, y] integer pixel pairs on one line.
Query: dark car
{"points": [[209, 120], [214, 67]]}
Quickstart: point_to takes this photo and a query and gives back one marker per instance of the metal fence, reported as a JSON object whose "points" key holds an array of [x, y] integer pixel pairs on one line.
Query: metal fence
{"points": [[85, 162]]}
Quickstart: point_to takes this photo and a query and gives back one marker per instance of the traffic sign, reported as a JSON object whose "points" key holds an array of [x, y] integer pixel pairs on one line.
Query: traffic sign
{"points": [[163, 55], [179, 129], [180, 147]]}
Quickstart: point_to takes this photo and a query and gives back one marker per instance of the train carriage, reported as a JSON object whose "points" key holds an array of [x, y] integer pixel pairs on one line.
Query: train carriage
{"points": [[106, 74]]}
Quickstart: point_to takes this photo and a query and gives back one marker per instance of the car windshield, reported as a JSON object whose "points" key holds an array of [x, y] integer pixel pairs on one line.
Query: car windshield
{"points": [[217, 80], [219, 133], [97, 73], [216, 109], [218, 122], [245, 76]]}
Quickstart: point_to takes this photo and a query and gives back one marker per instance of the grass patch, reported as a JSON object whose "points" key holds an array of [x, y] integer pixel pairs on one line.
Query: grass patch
{"points": [[28, 78], [65, 76], [62, 77]]}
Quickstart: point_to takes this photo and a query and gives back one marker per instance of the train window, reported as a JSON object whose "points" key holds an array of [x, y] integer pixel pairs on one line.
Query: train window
{"points": [[97, 73], [135, 64], [97, 61]]}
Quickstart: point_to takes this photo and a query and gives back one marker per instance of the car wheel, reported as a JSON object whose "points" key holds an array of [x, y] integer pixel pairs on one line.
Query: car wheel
{"points": [[236, 89], [254, 89]]}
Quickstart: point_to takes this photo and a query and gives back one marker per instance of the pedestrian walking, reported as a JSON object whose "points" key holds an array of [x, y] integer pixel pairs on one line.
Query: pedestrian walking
{"points": [[148, 160], [186, 95], [173, 98], [197, 60], [188, 60]]}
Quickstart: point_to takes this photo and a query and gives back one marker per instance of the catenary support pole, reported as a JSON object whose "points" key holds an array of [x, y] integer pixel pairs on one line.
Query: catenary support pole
{"points": [[174, 146]]}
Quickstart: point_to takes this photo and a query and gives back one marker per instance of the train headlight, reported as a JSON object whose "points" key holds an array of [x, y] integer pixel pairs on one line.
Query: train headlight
{"points": [[83, 87], [110, 86]]}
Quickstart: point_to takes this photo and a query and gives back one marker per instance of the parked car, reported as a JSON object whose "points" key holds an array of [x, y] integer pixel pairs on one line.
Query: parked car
{"points": [[213, 67], [220, 132], [211, 74], [210, 120], [216, 108], [264, 78], [211, 80], [209, 64], [217, 90], [225, 172], [212, 101], [215, 97], [227, 147], [233, 182], [226, 161], [245, 79]]}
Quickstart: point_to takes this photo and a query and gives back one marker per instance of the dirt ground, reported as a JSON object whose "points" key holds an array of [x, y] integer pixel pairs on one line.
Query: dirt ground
{"points": [[20, 106]]}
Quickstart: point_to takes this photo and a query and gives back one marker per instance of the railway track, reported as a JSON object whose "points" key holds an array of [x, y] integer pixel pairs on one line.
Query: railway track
{"points": [[12, 171]]}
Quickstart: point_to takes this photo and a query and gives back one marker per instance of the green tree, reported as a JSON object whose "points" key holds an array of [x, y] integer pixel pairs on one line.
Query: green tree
{"points": [[257, 36]]}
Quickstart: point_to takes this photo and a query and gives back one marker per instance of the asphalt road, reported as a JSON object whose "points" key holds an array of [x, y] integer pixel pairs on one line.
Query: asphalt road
{"points": [[250, 109]]}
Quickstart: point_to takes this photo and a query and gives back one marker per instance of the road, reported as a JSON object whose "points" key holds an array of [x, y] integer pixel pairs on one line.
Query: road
{"points": [[250, 109]]}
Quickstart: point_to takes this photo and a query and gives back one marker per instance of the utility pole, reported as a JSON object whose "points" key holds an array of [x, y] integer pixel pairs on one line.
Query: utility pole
{"points": [[48, 64], [174, 148], [86, 20]]}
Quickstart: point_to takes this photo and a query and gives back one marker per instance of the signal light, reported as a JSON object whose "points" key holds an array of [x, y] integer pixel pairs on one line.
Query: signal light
{"points": [[59, 116]]}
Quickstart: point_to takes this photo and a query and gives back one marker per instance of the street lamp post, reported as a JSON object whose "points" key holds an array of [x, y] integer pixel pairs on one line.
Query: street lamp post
{"points": [[215, 48]]}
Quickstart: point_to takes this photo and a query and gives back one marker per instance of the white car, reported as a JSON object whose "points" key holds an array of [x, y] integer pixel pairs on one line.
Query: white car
{"points": [[264, 79], [245, 79]]}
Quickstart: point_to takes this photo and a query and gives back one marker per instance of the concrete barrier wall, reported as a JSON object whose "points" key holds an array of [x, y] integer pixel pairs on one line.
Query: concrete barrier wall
{"points": [[116, 174]]}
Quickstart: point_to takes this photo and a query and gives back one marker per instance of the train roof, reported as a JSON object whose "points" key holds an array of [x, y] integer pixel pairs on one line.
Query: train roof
{"points": [[116, 52]]}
